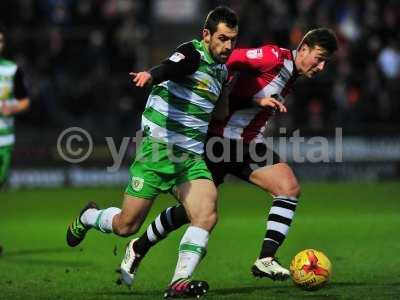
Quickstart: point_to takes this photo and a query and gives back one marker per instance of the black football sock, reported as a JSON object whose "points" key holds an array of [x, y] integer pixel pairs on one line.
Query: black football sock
{"points": [[279, 220], [169, 220]]}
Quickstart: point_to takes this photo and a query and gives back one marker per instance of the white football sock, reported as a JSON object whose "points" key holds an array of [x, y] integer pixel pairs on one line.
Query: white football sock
{"points": [[89, 217], [191, 250], [100, 219]]}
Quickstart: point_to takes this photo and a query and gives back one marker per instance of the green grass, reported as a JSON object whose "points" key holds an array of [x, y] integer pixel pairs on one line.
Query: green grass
{"points": [[356, 225]]}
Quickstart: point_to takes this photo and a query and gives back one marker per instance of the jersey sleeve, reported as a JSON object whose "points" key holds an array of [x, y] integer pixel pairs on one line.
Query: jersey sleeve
{"points": [[254, 59], [20, 87], [184, 61]]}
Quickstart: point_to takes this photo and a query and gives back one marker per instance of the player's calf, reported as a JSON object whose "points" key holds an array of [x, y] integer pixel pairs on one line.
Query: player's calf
{"points": [[125, 229], [206, 221]]}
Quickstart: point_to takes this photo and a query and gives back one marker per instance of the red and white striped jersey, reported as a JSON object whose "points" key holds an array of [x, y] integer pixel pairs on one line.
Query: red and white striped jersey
{"points": [[268, 71]]}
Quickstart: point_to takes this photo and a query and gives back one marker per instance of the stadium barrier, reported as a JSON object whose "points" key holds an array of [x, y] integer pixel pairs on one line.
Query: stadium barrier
{"points": [[360, 158]]}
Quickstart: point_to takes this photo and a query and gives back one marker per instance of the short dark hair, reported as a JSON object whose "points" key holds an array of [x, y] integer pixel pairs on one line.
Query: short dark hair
{"points": [[322, 37], [220, 14]]}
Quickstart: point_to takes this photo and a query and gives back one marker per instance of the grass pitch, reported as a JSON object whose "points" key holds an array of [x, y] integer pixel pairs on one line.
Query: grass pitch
{"points": [[356, 225]]}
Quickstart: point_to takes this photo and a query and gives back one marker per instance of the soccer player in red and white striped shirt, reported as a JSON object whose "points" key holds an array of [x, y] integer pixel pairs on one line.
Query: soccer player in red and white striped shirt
{"points": [[264, 77]]}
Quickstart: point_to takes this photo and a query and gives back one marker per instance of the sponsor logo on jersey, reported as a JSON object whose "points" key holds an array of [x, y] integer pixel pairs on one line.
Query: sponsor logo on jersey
{"points": [[254, 53], [177, 57], [137, 183]]}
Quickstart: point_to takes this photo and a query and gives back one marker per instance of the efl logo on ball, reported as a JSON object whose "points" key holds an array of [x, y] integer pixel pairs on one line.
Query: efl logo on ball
{"points": [[310, 269]]}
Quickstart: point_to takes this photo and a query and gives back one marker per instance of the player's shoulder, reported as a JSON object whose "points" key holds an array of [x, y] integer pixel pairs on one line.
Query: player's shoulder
{"points": [[267, 52], [193, 45], [276, 52], [188, 44], [185, 50], [186, 47]]}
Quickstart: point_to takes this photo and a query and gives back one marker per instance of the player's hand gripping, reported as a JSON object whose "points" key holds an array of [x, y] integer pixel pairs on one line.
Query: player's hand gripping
{"points": [[141, 79], [268, 102]]}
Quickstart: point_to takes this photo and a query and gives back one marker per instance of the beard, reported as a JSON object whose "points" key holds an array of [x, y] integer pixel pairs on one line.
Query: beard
{"points": [[220, 58]]}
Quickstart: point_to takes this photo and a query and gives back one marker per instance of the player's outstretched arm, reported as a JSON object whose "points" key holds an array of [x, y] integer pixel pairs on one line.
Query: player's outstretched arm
{"points": [[184, 61]]}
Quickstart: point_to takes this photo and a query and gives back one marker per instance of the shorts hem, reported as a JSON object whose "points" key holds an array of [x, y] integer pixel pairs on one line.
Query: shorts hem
{"points": [[138, 195]]}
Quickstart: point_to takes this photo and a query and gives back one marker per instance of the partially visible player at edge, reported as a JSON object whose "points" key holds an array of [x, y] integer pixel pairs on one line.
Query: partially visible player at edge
{"points": [[186, 88], [13, 100], [266, 75]]}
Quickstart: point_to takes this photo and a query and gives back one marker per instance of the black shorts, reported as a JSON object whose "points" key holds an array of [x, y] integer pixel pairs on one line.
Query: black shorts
{"points": [[228, 156]]}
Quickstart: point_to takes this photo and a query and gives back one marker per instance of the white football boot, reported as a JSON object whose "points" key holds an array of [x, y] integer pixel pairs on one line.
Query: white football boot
{"points": [[271, 268], [129, 264]]}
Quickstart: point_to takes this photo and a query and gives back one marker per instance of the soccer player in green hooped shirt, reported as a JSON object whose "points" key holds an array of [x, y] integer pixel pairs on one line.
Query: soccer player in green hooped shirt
{"points": [[186, 88], [13, 100]]}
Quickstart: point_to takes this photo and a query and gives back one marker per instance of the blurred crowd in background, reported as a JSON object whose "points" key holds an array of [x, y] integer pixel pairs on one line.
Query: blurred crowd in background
{"points": [[77, 55]]}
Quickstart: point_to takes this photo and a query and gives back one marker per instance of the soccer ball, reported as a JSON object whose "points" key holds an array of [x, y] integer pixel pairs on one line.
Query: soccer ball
{"points": [[310, 269]]}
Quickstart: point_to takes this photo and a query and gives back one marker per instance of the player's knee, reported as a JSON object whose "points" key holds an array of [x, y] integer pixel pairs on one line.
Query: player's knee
{"points": [[289, 188], [212, 220], [206, 221], [293, 190]]}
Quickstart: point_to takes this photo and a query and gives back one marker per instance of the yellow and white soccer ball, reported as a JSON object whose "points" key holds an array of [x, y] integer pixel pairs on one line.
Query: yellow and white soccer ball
{"points": [[310, 269]]}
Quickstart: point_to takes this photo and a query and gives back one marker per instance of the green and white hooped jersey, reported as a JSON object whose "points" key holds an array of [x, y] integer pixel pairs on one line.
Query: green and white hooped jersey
{"points": [[178, 111], [8, 71]]}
